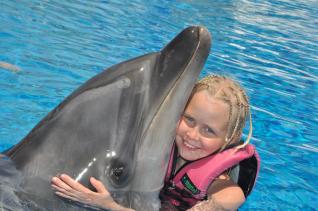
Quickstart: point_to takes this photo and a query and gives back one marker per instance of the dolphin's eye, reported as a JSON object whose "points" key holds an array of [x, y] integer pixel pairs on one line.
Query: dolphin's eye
{"points": [[119, 172]]}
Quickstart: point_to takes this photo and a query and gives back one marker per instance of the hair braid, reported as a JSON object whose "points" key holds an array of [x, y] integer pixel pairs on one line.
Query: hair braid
{"points": [[231, 93]]}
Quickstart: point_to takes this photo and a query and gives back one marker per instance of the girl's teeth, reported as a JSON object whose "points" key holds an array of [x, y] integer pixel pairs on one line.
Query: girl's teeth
{"points": [[190, 146]]}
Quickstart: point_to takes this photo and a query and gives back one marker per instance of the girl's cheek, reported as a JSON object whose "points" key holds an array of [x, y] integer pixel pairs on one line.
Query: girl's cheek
{"points": [[178, 123], [180, 129]]}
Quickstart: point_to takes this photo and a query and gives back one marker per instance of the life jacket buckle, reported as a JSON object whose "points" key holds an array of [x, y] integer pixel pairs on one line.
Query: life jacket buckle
{"points": [[172, 186]]}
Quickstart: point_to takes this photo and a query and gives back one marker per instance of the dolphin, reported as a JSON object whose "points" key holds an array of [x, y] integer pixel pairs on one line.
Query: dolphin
{"points": [[119, 127]]}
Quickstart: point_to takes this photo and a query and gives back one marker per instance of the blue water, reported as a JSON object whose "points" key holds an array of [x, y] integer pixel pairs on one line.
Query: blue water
{"points": [[270, 47]]}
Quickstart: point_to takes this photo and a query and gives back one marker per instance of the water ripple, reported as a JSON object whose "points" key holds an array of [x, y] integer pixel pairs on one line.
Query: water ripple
{"points": [[270, 47]]}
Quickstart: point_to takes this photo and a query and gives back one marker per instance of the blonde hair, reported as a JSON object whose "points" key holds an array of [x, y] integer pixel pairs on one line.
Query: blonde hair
{"points": [[231, 93]]}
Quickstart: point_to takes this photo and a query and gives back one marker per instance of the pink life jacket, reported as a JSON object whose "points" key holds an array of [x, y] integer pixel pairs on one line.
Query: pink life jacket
{"points": [[191, 182]]}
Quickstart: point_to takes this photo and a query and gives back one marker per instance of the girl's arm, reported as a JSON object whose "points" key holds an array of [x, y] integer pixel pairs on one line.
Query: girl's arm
{"points": [[224, 194], [68, 188]]}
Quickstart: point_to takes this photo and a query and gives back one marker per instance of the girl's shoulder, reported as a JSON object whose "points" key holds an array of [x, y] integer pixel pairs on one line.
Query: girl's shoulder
{"points": [[225, 192]]}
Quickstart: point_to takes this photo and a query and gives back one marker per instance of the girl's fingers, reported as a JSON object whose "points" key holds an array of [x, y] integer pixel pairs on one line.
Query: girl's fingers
{"points": [[70, 193], [73, 195], [99, 186], [59, 183], [74, 184], [68, 188], [55, 187], [67, 196]]}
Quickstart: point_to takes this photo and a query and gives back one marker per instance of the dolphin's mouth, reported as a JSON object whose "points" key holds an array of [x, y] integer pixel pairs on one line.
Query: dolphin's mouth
{"points": [[202, 33]]}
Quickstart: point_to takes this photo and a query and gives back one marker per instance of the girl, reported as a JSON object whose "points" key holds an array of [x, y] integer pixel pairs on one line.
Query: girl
{"points": [[209, 168]]}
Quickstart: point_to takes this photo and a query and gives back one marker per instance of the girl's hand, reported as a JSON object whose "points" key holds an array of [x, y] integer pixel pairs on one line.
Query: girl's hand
{"points": [[67, 187]]}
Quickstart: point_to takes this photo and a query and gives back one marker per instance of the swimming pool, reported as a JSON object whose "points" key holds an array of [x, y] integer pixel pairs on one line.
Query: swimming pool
{"points": [[269, 46]]}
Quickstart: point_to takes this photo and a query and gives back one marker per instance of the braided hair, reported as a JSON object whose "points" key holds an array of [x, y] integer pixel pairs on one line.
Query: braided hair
{"points": [[231, 93]]}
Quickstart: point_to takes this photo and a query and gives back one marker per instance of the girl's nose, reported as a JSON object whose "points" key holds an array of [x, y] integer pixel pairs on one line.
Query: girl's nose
{"points": [[193, 133]]}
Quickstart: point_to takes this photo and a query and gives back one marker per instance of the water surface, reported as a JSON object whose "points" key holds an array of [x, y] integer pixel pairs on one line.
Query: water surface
{"points": [[270, 47]]}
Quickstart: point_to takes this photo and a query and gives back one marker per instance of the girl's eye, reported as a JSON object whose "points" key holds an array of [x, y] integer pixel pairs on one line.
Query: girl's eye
{"points": [[207, 131], [189, 120]]}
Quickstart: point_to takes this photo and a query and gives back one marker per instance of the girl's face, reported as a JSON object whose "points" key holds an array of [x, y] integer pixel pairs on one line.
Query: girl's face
{"points": [[202, 128]]}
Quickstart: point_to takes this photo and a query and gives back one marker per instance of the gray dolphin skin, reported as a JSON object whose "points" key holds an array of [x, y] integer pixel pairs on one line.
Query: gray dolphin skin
{"points": [[118, 127]]}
